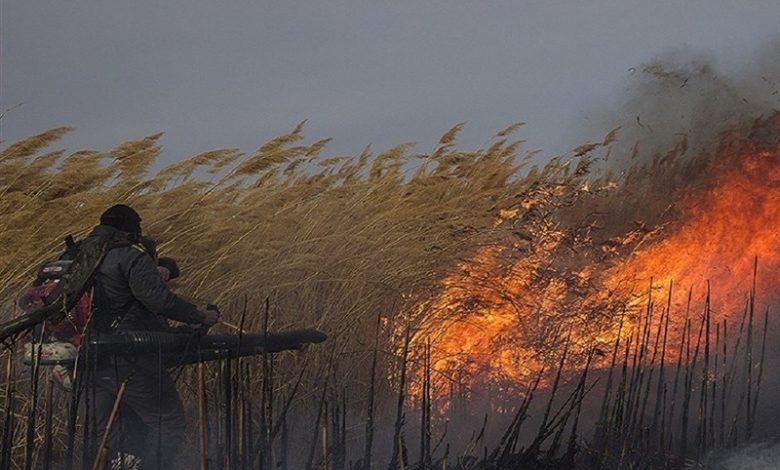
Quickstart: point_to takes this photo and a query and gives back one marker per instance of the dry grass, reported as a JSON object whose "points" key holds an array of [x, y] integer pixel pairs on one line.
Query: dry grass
{"points": [[282, 222]]}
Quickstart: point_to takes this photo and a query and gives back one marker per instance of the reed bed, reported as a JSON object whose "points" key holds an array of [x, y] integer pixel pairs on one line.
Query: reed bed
{"points": [[357, 246]]}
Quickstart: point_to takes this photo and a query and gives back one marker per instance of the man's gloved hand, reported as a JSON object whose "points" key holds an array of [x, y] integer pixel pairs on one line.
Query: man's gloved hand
{"points": [[171, 266], [210, 316]]}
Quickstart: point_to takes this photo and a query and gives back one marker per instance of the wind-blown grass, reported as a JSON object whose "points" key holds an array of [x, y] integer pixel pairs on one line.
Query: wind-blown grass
{"points": [[331, 241]]}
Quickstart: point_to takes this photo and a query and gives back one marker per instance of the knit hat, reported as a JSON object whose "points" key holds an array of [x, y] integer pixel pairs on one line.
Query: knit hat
{"points": [[122, 217]]}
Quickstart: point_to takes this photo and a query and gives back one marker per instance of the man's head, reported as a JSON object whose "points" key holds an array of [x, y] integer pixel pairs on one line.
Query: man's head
{"points": [[122, 217]]}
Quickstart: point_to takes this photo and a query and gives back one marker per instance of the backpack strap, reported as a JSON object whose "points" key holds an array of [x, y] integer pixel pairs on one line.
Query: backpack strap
{"points": [[75, 282]]}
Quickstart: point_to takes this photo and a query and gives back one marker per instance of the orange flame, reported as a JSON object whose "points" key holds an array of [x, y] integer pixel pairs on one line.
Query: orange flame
{"points": [[496, 328], [722, 230]]}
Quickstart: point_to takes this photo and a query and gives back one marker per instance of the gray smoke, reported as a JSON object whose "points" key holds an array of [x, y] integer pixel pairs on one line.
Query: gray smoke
{"points": [[762, 456], [683, 94]]}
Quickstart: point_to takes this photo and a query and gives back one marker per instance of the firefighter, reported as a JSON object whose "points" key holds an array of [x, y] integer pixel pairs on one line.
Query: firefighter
{"points": [[130, 295]]}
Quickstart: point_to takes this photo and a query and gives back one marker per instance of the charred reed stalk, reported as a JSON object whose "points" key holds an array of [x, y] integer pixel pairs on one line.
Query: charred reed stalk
{"points": [[396, 458], [370, 398], [603, 430], [733, 371], [508, 444], [561, 418], [760, 368], [640, 431], [321, 410], [543, 432], [202, 418], [638, 374], [73, 407], [618, 412], [723, 395], [284, 442], [660, 393], [8, 411], [248, 430], [33, 408], [267, 397], [571, 449], [608, 389], [47, 424], [227, 395], [219, 453], [338, 430], [89, 428], [282, 418], [689, 371], [637, 370], [714, 386], [343, 440], [279, 425], [684, 345], [425, 410], [749, 356], [239, 455], [701, 429]]}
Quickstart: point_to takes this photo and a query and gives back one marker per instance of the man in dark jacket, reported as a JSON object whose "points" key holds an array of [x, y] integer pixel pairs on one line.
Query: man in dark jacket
{"points": [[131, 294]]}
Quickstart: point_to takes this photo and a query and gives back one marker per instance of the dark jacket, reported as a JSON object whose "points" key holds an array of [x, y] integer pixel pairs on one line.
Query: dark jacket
{"points": [[131, 292]]}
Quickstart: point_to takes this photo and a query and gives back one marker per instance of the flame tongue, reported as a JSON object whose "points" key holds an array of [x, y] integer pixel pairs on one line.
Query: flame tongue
{"points": [[719, 235], [496, 328]]}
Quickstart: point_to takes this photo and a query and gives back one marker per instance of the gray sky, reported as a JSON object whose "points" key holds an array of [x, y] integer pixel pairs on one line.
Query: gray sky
{"points": [[214, 74]]}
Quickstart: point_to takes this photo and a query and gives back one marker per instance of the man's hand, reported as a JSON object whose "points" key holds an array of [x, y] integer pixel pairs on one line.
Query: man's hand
{"points": [[210, 316]]}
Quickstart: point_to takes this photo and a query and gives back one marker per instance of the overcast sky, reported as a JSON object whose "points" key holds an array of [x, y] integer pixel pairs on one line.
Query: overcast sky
{"points": [[233, 73]]}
